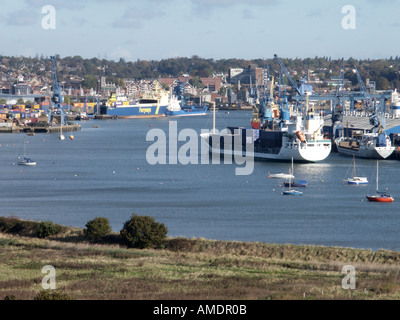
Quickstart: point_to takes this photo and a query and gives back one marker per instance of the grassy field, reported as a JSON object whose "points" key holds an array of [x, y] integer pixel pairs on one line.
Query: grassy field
{"points": [[187, 269]]}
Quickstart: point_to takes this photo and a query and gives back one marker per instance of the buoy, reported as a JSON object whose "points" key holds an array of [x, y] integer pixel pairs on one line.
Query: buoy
{"points": [[72, 137]]}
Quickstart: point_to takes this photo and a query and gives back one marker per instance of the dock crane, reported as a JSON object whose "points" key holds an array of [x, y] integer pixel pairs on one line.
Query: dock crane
{"points": [[283, 68], [337, 110], [57, 97], [373, 119]]}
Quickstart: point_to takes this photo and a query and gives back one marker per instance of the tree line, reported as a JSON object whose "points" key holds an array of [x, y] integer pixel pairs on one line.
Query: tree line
{"points": [[385, 72]]}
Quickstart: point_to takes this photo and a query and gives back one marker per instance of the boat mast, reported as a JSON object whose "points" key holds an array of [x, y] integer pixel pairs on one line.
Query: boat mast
{"points": [[214, 119], [290, 178], [377, 176]]}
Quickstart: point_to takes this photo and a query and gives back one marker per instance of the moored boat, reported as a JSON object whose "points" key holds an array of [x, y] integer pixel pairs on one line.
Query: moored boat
{"points": [[27, 162], [175, 109], [379, 196], [279, 142], [356, 180], [152, 104], [291, 192], [368, 146]]}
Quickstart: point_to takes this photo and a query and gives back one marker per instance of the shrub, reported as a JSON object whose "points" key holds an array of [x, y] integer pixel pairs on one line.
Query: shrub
{"points": [[52, 295], [97, 228], [143, 232], [47, 228], [16, 226]]}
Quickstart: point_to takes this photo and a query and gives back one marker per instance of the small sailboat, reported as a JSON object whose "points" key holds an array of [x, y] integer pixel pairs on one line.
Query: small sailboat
{"points": [[292, 192], [295, 183], [27, 161], [379, 196], [355, 179], [283, 176], [61, 137]]}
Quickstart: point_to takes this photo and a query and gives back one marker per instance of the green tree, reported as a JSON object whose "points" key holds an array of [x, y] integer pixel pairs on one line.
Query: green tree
{"points": [[89, 82], [47, 228], [382, 83], [97, 228], [3, 101], [143, 232], [165, 86], [20, 101], [196, 82], [67, 100]]}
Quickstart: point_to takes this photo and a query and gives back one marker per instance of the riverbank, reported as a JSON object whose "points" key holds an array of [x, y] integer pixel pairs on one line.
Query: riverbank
{"points": [[187, 269]]}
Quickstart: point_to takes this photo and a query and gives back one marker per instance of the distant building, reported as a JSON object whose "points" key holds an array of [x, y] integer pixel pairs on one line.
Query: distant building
{"points": [[107, 88], [212, 84], [21, 89], [231, 95], [245, 76]]}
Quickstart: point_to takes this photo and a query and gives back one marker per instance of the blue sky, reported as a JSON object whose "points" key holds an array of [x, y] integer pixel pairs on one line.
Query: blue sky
{"points": [[160, 29]]}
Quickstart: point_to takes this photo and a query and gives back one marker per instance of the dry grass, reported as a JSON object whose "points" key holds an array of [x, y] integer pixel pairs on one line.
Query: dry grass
{"points": [[193, 269]]}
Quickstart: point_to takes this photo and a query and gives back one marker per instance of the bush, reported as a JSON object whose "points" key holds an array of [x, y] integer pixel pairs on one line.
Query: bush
{"points": [[14, 225], [143, 232], [47, 228], [52, 295], [97, 228]]}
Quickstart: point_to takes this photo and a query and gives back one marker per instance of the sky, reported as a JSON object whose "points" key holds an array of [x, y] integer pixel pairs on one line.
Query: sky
{"points": [[211, 29]]}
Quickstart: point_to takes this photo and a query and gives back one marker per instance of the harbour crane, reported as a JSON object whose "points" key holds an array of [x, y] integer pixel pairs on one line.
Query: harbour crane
{"points": [[337, 110], [57, 98], [373, 119], [293, 83]]}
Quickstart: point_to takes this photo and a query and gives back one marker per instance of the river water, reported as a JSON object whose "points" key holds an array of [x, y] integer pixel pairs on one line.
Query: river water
{"points": [[104, 172]]}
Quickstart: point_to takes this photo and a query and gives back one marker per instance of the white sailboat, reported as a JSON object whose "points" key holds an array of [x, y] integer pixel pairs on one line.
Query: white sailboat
{"points": [[355, 179], [61, 137], [292, 192], [27, 161]]}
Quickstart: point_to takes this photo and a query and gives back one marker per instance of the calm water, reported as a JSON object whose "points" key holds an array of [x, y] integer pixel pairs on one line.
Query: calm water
{"points": [[103, 172]]}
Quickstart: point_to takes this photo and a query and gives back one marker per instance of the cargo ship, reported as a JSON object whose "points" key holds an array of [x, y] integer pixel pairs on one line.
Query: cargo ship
{"points": [[367, 145], [152, 104], [175, 109], [296, 136]]}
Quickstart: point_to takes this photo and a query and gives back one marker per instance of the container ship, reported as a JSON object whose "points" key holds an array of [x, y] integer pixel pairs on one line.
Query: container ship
{"points": [[296, 136], [152, 104]]}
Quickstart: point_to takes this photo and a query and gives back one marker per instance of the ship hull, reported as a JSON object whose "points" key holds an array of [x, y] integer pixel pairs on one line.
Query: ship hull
{"points": [[139, 111], [379, 199], [311, 151], [185, 113], [366, 152]]}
